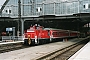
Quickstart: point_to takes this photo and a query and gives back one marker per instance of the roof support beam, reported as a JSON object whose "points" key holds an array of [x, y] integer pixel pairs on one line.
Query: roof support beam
{"points": [[3, 6]]}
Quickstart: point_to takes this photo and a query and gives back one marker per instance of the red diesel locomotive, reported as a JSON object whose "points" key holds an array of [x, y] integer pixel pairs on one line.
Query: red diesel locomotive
{"points": [[38, 34]]}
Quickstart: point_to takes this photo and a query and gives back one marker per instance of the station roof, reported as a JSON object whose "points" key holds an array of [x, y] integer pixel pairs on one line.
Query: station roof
{"points": [[1, 3], [68, 22], [6, 19], [83, 17], [73, 21]]}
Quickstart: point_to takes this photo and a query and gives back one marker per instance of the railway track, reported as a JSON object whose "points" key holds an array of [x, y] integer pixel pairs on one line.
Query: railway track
{"points": [[11, 47], [65, 53]]}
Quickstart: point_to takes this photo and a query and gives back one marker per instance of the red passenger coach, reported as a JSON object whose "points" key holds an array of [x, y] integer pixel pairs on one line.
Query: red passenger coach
{"points": [[38, 34]]}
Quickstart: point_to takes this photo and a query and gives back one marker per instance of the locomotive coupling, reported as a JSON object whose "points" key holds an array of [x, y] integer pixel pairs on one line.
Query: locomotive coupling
{"points": [[29, 40]]}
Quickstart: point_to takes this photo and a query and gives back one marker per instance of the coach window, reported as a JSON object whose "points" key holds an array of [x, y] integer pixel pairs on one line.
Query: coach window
{"points": [[54, 33], [57, 33]]}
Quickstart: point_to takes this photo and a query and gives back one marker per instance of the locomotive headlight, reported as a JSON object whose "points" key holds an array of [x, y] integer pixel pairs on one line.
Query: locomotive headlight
{"points": [[28, 36]]}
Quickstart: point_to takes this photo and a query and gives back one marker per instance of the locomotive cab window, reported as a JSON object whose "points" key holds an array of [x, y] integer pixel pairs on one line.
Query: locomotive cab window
{"points": [[48, 33]]}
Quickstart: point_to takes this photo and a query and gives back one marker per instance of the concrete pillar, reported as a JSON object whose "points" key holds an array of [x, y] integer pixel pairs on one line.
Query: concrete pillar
{"points": [[22, 27]]}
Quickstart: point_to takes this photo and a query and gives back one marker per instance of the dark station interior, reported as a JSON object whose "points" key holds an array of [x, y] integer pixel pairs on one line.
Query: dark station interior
{"points": [[75, 22]]}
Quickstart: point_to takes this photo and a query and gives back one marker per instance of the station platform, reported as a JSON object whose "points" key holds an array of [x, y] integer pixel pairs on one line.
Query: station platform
{"points": [[35, 52], [82, 54]]}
